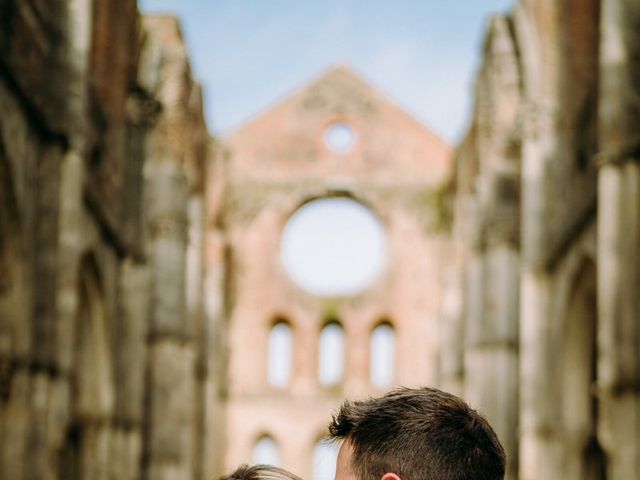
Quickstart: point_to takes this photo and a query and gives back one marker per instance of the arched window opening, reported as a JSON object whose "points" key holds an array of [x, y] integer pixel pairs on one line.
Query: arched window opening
{"points": [[333, 247], [382, 353], [279, 363], [94, 376], [331, 354], [265, 452], [584, 457], [325, 457]]}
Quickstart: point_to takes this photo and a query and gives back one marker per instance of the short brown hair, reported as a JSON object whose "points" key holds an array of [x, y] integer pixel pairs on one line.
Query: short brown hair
{"points": [[419, 434], [260, 472]]}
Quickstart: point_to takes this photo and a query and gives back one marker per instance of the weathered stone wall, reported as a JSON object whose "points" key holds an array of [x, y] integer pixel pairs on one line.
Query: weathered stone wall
{"points": [[99, 306], [546, 182], [619, 235]]}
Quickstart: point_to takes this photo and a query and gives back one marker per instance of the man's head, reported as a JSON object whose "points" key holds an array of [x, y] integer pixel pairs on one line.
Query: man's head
{"points": [[415, 434]]}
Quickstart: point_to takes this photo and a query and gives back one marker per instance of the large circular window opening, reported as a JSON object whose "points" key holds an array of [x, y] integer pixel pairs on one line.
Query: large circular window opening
{"points": [[333, 247], [339, 137]]}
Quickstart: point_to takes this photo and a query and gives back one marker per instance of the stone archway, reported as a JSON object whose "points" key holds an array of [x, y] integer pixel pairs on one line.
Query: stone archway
{"points": [[85, 453], [583, 457]]}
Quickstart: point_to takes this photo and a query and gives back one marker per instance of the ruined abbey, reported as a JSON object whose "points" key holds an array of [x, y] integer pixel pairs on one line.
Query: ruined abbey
{"points": [[151, 328]]}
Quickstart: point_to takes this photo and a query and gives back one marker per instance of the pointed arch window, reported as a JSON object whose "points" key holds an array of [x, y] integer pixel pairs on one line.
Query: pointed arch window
{"points": [[265, 451], [331, 354], [93, 380], [382, 352], [280, 354]]}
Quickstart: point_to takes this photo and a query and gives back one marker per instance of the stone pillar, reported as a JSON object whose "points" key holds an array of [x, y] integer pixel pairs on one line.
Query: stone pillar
{"points": [[539, 448], [500, 346], [452, 331], [539, 442], [619, 237], [477, 367], [130, 365], [215, 356], [536, 28], [305, 356], [171, 357], [14, 421], [456, 294], [42, 357], [474, 372], [72, 233], [491, 354], [176, 409], [195, 277], [16, 292]]}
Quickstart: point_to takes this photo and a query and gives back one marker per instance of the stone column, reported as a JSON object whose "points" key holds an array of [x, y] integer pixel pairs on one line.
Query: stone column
{"points": [[52, 405], [501, 347], [491, 354], [171, 357], [195, 294], [130, 364], [539, 443], [619, 237], [16, 290], [454, 304], [215, 355], [475, 371], [536, 27], [451, 374], [491, 334], [304, 378]]}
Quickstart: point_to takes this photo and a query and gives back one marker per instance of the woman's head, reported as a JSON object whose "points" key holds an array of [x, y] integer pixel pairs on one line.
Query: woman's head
{"points": [[260, 472]]}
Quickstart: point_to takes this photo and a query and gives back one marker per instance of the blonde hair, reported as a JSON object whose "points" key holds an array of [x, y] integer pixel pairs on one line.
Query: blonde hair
{"points": [[260, 472]]}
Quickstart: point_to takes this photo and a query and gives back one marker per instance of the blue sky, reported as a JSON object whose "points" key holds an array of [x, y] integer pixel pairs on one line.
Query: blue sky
{"points": [[250, 53]]}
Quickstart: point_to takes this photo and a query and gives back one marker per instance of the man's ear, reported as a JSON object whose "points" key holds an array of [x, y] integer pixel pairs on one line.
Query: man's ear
{"points": [[390, 476]]}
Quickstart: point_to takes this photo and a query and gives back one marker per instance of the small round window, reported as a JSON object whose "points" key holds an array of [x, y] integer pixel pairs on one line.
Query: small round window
{"points": [[339, 137]]}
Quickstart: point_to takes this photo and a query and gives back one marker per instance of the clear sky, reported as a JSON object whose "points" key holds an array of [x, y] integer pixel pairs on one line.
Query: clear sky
{"points": [[250, 53]]}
